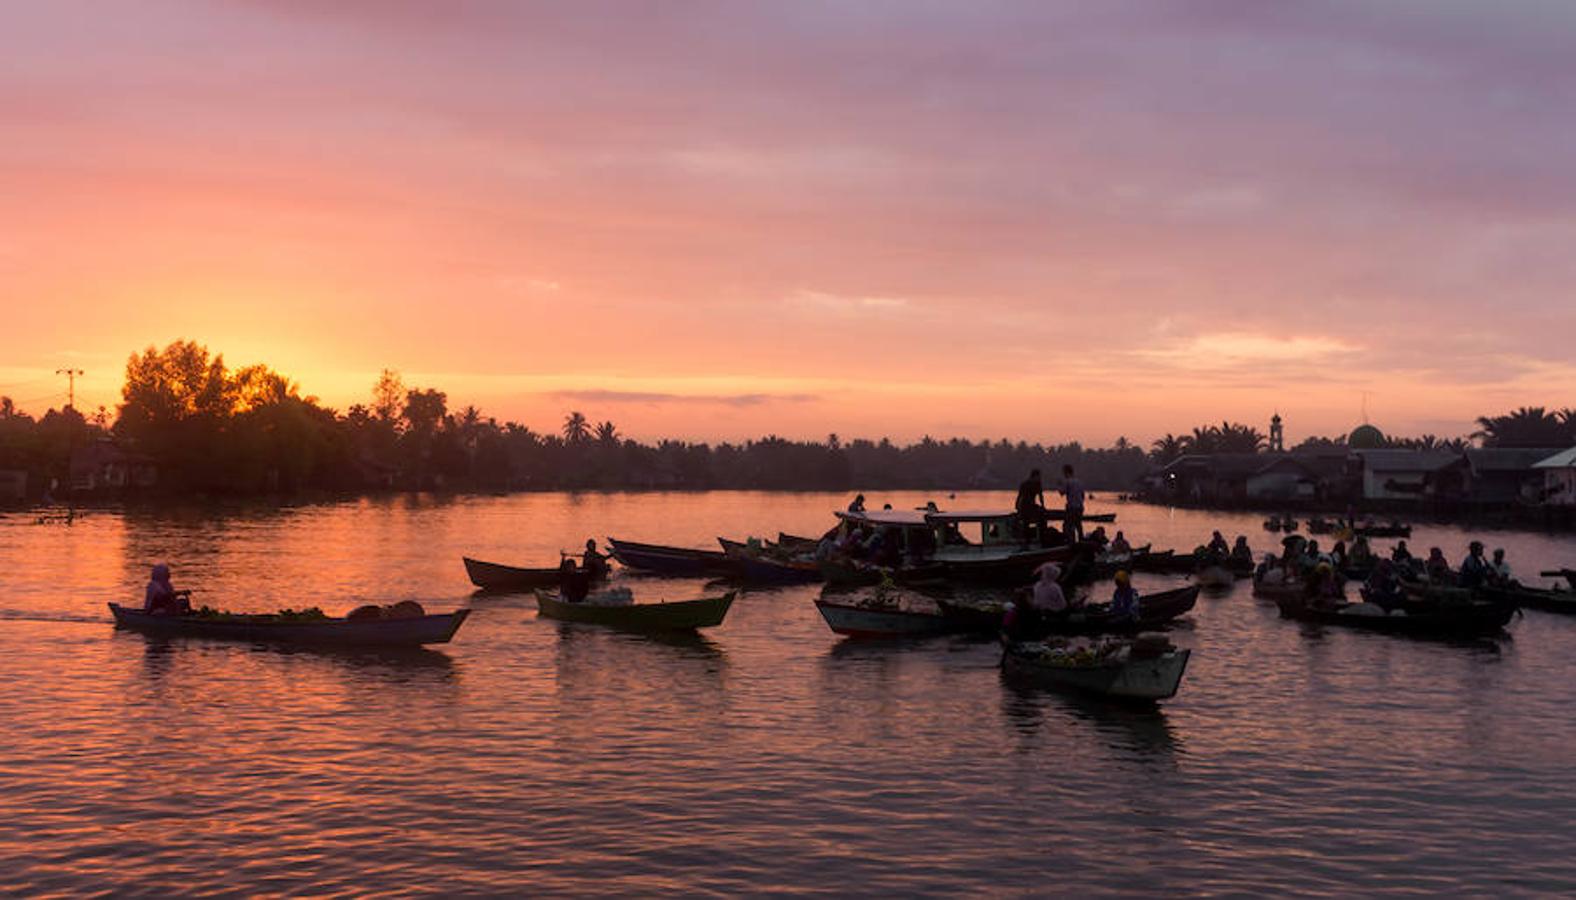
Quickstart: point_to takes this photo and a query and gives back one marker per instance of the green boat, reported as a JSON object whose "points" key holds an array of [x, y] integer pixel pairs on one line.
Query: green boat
{"points": [[682, 616]]}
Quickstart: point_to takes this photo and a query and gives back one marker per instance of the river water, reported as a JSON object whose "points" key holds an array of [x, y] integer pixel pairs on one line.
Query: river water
{"points": [[766, 755]]}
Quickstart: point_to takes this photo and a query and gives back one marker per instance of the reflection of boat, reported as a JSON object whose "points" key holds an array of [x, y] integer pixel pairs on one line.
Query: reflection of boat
{"points": [[497, 577], [1443, 618], [1060, 515], [1144, 669], [683, 615], [429, 629], [670, 560]]}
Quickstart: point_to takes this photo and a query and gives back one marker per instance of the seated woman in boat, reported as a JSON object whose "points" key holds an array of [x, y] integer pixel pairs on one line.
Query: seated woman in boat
{"points": [[1499, 569], [1047, 596], [1217, 545], [1311, 557], [1383, 587], [1474, 569], [574, 582], [160, 598], [1240, 551], [1271, 570], [1400, 554], [1323, 588], [1124, 601], [1097, 537], [1119, 545], [858, 504], [1362, 555], [1338, 555], [1438, 568]]}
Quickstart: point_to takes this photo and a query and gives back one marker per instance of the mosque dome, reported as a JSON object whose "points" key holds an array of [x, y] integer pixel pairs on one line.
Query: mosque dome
{"points": [[1365, 437]]}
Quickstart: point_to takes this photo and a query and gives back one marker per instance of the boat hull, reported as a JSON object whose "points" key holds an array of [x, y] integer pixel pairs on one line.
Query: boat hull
{"points": [[497, 577], [679, 561], [1146, 679], [682, 616], [855, 621], [1477, 618], [431, 629], [1017, 568], [1556, 601], [1157, 612]]}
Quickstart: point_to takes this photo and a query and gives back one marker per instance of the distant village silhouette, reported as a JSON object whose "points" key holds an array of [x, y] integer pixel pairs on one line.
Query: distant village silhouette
{"points": [[188, 424]]}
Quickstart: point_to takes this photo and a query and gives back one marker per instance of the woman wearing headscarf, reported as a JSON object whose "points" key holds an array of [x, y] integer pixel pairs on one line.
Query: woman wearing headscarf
{"points": [[160, 597]]}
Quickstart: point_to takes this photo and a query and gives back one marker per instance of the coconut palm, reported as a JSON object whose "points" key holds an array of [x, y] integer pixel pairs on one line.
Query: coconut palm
{"points": [[1167, 448], [1529, 426], [607, 433], [577, 429]]}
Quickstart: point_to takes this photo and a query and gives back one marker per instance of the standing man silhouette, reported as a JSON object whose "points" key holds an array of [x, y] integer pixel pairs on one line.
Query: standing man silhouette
{"points": [[1073, 490]]}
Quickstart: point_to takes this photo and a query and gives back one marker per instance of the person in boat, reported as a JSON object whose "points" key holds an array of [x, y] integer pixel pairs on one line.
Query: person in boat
{"points": [[1217, 545], [1338, 556], [1030, 507], [1119, 545], [160, 598], [1311, 557], [574, 582], [1271, 570], [1124, 601], [1323, 589], [1047, 597], [1073, 490], [1475, 570], [1241, 553], [827, 549], [1437, 568], [1499, 569], [1362, 554], [1098, 538], [858, 504], [1383, 586], [1400, 554], [594, 562]]}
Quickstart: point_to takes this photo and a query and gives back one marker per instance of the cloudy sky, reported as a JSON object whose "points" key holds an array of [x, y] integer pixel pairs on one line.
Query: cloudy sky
{"points": [[1041, 220]]}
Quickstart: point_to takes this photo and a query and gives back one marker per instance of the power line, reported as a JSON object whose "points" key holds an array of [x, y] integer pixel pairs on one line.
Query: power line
{"points": [[71, 384]]}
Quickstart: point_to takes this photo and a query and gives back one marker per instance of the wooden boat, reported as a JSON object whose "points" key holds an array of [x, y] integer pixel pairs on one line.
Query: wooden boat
{"points": [[851, 573], [1287, 524], [681, 561], [797, 544], [1322, 526], [1447, 618], [1156, 611], [1141, 671], [879, 620], [762, 570], [438, 628], [681, 616], [1284, 590], [1372, 530], [496, 577], [1567, 574], [1546, 599], [1215, 575], [1060, 515]]}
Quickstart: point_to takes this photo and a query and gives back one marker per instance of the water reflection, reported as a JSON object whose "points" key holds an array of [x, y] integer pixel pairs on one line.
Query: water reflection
{"points": [[1143, 732]]}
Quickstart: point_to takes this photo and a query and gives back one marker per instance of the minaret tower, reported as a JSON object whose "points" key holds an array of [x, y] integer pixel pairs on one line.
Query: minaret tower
{"points": [[1277, 434]]}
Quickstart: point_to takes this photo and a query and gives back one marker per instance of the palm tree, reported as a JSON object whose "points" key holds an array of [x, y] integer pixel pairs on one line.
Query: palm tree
{"points": [[1167, 448], [607, 433], [576, 428], [1529, 426]]}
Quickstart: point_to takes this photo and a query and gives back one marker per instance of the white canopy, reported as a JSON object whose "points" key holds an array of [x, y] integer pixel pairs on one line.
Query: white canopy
{"points": [[1565, 459]]}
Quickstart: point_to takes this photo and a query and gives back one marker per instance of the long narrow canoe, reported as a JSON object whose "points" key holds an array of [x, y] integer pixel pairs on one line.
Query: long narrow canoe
{"points": [[1144, 678], [669, 560], [1473, 618], [866, 621], [682, 616], [1060, 515], [497, 577], [431, 629]]}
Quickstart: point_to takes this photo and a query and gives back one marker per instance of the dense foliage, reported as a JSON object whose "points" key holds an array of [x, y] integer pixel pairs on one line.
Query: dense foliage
{"points": [[211, 429]]}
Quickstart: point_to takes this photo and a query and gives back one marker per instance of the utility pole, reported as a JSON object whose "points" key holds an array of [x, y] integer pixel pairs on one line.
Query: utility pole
{"points": [[71, 385]]}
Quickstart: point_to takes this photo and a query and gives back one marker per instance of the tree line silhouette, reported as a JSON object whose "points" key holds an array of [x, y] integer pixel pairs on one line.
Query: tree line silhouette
{"points": [[213, 430]]}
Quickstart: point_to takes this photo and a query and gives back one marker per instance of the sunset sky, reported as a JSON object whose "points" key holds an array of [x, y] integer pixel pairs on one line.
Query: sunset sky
{"points": [[1039, 220]]}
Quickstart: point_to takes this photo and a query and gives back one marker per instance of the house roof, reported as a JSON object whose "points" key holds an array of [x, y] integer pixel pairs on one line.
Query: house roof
{"points": [[1565, 459], [1499, 459], [1407, 460]]}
